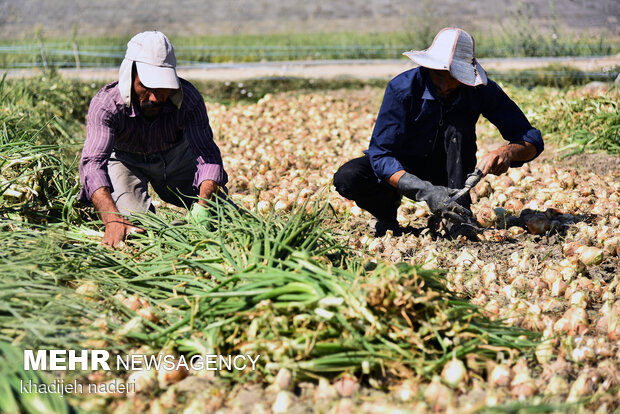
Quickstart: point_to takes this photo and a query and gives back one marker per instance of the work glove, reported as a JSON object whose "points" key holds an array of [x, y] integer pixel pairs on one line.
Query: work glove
{"points": [[199, 214], [435, 197]]}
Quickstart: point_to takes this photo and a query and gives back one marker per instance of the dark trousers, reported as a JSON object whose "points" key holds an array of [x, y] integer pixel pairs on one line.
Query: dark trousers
{"points": [[356, 181]]}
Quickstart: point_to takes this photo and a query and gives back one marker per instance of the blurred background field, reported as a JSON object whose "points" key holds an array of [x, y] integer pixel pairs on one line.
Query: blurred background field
{"points": [[85, 34]]}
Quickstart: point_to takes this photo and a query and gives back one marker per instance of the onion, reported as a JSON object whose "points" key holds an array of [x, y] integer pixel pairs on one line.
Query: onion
{"points": [[482, 189], [538, 224], [143, 380], [522, 385], [557, 386], [489, 273], [579, 299], [407, 391], [573, 322], [263, 207], [583, 353], [549, 304], [544, 352], [558, 288], [515, 230], [612, 245], [89, 289], [167, 376], [500, 376], [465, 259], [437, 395], [324, 391], [454, 372], [486, 217], [282, 206], [571, 268], [132, 302], [585, 384], [346, 386], [513, 205], [148, 314], [571, 248], [516, 175], [283, 403], [591, 255]]}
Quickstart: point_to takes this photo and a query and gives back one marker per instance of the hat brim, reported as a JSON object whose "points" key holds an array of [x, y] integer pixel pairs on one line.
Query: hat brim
{"points": [[157, 76], [475, 78], [422, 58]]}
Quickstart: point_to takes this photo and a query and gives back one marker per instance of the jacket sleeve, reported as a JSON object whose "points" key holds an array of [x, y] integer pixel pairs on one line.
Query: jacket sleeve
{"points": [[512, 124], [387, 135], [97, 150], [200, 138]]}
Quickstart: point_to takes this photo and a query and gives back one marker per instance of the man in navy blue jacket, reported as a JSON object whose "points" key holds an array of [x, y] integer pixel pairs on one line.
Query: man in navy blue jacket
{"points": [[424, 142]]}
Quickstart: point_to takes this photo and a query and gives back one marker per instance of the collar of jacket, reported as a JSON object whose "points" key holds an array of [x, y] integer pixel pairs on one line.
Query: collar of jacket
{"points": [[430, 94]]}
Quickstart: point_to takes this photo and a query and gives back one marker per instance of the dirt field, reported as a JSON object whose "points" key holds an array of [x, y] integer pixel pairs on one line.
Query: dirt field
{"points": [[530, 280]]}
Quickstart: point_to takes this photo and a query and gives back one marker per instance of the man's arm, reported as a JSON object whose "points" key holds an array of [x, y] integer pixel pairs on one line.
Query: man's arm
{"points": [[199, 136], [207, 189], [393, 180], [116, 226], [388, 135], [498, 161], [526, 142]]}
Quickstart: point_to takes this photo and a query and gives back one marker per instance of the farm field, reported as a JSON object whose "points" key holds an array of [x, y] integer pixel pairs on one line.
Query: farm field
{"points": [[524, 319]]}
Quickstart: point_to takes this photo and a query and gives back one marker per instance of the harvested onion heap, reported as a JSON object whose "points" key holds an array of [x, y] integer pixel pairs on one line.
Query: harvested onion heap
{"points": [[566, 287]]}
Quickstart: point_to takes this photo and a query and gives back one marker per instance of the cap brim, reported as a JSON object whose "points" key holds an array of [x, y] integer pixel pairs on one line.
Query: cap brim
{"points": [[422, 58], [157, 76]]}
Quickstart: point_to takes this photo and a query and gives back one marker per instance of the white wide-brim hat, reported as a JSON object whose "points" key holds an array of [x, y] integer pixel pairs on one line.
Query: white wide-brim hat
{"points": [[452, 50]]}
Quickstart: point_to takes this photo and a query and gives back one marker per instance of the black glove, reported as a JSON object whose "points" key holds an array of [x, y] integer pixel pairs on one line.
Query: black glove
{"points": [[435, 197]]}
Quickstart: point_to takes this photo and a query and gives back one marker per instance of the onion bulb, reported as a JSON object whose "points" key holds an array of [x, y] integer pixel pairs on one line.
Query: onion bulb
{"points": [[454, 372], [590, 256]]}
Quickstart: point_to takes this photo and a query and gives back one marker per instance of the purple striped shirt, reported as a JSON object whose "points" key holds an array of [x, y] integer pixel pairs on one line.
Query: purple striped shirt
{"points": [[112, 125]]}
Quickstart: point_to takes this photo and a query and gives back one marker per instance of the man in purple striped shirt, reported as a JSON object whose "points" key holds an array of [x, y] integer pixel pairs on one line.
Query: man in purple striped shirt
{"points": [[149, 127]]}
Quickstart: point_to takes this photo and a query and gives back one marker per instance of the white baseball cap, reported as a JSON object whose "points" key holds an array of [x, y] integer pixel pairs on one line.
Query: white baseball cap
{"points": [[155, 61], [452, 50]]}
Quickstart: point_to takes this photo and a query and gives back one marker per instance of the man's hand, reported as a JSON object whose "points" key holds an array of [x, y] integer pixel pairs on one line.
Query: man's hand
{"points": [[498, 161], [117, 228], [199, 213], [208, 188], [435, 197]]}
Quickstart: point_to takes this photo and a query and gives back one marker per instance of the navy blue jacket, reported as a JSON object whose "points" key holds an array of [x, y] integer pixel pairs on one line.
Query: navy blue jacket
{"points": [[417, 132]]}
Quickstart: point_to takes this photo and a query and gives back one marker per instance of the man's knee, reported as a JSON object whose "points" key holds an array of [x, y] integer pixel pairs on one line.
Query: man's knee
{"points": [[132, 202], [348, 180]]}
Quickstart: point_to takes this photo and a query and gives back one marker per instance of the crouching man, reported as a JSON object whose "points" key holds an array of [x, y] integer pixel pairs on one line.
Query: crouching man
{"points": [[424, 142], [148, 127]]}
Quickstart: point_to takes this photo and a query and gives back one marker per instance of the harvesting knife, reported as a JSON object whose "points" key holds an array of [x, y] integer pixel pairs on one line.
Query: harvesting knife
{"points": [[471, 181]]}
